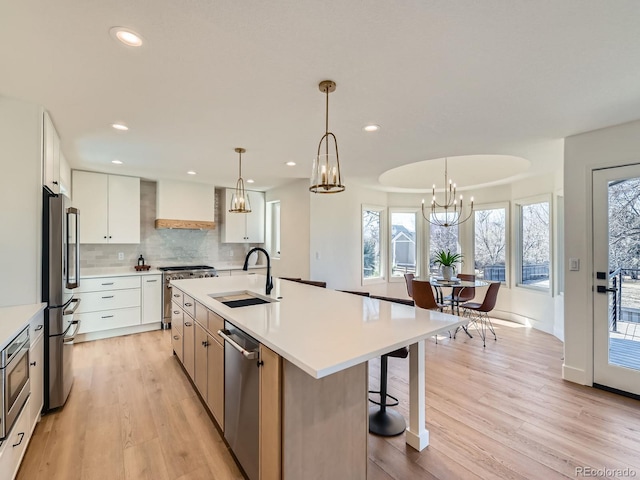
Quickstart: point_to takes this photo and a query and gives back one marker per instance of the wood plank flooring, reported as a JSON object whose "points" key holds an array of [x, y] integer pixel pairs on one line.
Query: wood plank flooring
{"points": [[494, 413]]}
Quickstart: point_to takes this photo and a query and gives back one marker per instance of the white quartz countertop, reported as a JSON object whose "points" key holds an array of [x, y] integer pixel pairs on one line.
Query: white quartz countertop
{"points": [[14, 319], [319, 330]]}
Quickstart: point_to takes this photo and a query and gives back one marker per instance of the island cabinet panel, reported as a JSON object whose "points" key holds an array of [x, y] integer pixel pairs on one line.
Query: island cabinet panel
{"points": [[215, 378], [270, 415], [325, 424], [202, 344], [188, 348]]}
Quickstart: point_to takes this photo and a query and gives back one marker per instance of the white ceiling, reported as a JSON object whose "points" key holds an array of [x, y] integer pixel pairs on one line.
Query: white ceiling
{"points": [[442, 78]]}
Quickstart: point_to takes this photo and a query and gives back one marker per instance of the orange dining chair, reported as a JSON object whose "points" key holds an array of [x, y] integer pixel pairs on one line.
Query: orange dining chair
{"points": [[479, 312], [408, 278]]}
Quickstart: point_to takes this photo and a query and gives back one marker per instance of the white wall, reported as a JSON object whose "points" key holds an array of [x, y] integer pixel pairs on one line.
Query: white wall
{"points": [[614, 146], [21, 200], [294, 229]]}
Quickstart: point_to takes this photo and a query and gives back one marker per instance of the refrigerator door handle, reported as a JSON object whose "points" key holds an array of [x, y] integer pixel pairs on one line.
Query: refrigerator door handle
{"points": [[69, 339], [75, 307], [73, 236]]}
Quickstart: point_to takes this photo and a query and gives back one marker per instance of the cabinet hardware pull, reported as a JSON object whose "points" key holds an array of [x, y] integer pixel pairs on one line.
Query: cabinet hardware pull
{"points": [[151, 281], [39, 327], [54, 182], [33, 364], [108, 296], [188, 304], [110, 283], [21, 437], [187, 324], [176, 312], [105, 236], [205, 344], [176, 295], [176, 337], [107, 316]]}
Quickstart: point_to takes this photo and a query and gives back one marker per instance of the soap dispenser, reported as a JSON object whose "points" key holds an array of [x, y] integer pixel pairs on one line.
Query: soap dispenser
{"points": [[141, 261]]}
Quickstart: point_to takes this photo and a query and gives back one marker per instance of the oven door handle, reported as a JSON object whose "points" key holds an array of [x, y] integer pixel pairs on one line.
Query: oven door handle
{"points": [[71, 311], [68, 340]]}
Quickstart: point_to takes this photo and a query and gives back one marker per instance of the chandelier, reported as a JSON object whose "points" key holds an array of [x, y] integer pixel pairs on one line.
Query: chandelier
{"points": [[240, 199], [450, 212], [325, 174]]}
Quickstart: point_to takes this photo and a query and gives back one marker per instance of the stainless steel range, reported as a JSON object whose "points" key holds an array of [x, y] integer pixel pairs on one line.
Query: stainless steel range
{"points": [[179, 273]]}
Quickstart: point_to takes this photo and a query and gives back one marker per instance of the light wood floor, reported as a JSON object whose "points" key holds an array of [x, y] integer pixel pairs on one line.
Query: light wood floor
{"points": [[497, 413]]}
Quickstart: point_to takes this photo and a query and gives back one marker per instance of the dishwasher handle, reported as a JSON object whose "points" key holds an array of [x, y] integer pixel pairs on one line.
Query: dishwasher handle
{"points": [[248, 354]]}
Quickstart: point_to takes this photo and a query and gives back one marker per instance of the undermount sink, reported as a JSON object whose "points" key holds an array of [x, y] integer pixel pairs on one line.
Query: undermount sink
{"points": [[241, 299]]}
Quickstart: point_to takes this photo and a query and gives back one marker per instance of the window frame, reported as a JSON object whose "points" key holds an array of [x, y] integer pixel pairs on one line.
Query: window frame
{"points": [[383, 244], [271, 227], [507, 236], [417, 212], [518, 204]]}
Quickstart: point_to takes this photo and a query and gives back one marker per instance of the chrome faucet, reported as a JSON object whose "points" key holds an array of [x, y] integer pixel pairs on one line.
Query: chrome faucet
{"points": [[269, 285]]}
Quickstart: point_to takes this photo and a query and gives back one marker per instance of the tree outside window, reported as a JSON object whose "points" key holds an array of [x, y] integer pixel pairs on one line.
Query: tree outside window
{"points": [[535, 251], [371, 244], [490, 244], [441, 238], [403, 249]]}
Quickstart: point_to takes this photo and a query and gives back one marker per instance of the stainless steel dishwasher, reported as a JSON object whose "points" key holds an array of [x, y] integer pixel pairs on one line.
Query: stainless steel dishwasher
{"points": [[241, 397]]}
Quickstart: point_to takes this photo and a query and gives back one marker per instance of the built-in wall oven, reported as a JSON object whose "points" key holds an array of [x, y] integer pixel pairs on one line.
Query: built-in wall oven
{"points": [[14, 363]]}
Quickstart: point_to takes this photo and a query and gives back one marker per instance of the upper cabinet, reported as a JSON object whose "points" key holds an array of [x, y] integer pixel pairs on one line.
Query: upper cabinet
{"points": [[244, 227], [50, 155], [109, 207]]}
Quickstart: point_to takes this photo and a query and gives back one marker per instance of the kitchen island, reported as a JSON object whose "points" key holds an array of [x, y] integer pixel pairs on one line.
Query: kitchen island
{"points": [[325, 339]]}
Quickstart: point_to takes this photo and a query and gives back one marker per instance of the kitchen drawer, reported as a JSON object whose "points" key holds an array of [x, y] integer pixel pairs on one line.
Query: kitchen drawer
{"points": [[189, 305], [15, 444], [176, 296], [177, 318], [216, 322], [108, 300], [108, 319], [201, 314], [107, 283], [36, 327], [176, 343]]}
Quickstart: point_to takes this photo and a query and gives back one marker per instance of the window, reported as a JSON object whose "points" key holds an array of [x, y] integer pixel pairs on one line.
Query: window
{"points": [[490, 243], [534, 244], [403, 245], [441, 238], [373, 227]]}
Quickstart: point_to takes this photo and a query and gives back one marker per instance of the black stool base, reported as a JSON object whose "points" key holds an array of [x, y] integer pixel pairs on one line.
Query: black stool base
{"points": [[386, 423]]}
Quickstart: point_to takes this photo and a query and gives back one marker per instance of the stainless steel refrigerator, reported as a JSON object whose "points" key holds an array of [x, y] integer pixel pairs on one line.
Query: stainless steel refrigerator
{"points": [[60, 275]]}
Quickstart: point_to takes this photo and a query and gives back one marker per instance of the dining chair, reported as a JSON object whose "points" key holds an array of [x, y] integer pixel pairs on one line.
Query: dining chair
{"points": [[424, 297], [408, 278], [479, 312]]}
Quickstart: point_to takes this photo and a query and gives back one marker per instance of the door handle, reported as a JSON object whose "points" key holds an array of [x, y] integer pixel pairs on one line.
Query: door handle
{"points": [[604, 289], [76, 301], [245, 353]]}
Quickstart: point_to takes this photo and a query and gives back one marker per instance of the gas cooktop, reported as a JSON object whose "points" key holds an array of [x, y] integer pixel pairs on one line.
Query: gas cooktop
{"points": [[181, 268]]}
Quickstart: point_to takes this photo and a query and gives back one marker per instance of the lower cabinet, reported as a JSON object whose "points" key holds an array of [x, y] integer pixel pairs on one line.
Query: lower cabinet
{"points": [[188, 340], [215, 379], [13, 447], [36, 380]]}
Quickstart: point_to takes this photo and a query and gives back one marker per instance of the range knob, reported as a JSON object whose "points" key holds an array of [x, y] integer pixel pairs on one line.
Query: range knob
{"points": [[207, 275], [180, 277]]}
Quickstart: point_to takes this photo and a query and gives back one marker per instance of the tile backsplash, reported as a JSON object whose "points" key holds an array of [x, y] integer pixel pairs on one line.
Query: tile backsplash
{"points": [[167, 247]]}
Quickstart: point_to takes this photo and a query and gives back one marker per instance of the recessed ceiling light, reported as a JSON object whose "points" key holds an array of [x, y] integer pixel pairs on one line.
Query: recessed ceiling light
{"points": [[117, 162], [126, 36], [371, 128], [250, 180], [291, 164], [191, 172], [120, 126]]}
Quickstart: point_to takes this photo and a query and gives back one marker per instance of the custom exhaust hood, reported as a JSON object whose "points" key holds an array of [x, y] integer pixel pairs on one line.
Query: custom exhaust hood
{"points": [[185, 205]]}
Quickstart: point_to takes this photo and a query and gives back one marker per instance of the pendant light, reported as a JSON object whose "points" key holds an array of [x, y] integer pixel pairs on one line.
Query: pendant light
{"points": [[450, 212], [240, 199], [325, 175]]}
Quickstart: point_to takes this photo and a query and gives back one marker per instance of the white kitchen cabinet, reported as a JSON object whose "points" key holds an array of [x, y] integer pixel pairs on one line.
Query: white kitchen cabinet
{"points": [[244, 227], [36, 379], [65, 176], [50, 155], [109, 207], [13, 447], [151, 298]]}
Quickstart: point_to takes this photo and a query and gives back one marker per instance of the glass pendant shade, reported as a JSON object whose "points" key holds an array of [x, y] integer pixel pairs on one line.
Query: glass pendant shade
{"points": [[325, 173], [240, 202]]}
